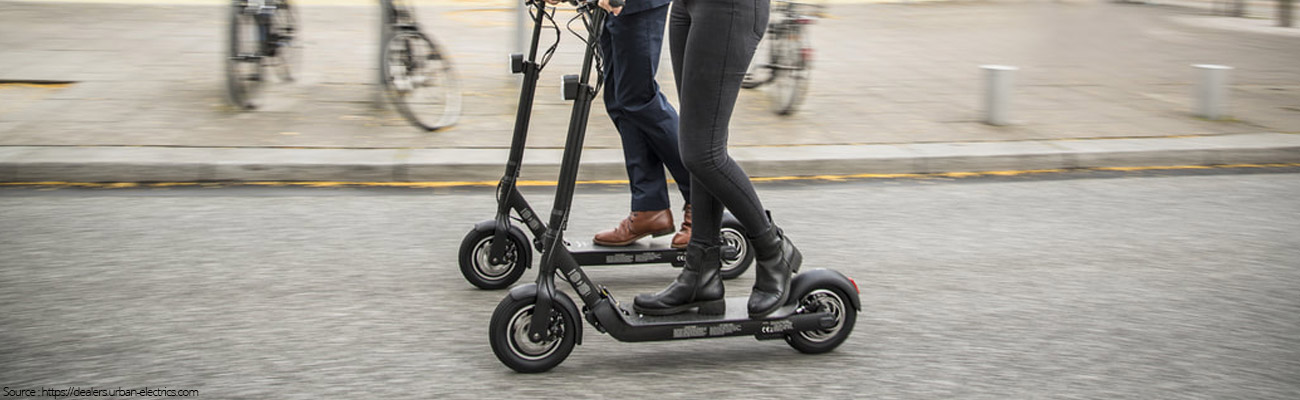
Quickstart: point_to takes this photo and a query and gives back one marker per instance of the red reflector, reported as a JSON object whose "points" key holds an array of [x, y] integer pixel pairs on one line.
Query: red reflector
{"points": [[804, 21], [855, 286]]}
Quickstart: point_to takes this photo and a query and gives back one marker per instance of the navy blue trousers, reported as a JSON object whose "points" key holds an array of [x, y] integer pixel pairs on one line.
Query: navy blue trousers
{"points": [[645, 120]]}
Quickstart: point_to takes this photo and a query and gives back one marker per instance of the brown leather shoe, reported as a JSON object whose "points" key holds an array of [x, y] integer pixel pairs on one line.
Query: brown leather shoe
{"points": [[683, 236], [637, 225]]}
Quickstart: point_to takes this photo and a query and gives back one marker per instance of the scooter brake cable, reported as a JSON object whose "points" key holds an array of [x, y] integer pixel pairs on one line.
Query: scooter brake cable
{"points": [[600, 61], [550, 16]]}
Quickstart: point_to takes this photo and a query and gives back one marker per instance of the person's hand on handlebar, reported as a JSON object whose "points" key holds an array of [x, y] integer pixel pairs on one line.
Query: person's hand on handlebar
{"points": [[612, 10], [603, 4]]}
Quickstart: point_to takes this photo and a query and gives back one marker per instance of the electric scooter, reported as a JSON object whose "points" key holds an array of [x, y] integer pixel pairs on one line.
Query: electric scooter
{"points": [[494, 254], [536, 326]]}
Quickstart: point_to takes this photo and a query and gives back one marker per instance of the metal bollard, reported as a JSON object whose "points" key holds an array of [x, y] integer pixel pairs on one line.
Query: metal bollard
{"points": [[1212, 91], [997, 93]]}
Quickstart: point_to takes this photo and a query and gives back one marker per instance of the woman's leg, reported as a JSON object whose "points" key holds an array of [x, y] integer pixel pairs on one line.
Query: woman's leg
{"points": [[700, 284], [709, 64], [716, 53]]}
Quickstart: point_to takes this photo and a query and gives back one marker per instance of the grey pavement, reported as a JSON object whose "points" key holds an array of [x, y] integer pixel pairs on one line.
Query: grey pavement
{"points": [[147, 82], [1124, 288]]}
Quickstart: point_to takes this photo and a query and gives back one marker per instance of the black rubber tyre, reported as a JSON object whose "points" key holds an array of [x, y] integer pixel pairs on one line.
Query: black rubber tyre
{"points": [[824, 298], [244, 74], [789, 84], [288, 53], [733, 235], [420, 81], [508, 334], [480, 272]]}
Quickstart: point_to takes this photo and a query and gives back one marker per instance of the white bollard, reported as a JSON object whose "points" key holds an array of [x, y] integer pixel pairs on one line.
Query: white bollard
{"points": [[997, 93], [1212, 91]]}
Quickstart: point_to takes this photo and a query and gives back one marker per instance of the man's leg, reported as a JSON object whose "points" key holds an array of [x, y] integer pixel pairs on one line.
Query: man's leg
{"points": [[628, 68], [638, 45], [646, 110]]}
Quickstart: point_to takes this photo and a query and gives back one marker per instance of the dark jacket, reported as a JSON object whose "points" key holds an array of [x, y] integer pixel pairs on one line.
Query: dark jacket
{"points": [[635, 6]]}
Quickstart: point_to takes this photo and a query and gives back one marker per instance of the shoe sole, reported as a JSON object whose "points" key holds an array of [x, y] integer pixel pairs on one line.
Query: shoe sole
{"points": [[621, 244], [711, 307]]}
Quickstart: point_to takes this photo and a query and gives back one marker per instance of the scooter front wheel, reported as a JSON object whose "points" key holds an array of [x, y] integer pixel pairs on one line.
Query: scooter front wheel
{"points": [[824, 298], [476, 260], [738, 254], [508, 334]]}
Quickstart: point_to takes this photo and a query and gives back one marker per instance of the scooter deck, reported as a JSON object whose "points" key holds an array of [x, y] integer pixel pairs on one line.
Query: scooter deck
{"points": [[653, 251], [644, 251], [629, 326], [737, 310]]}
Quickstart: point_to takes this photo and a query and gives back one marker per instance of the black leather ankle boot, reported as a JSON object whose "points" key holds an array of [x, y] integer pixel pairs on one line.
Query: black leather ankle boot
{"points": [[699, 285], [777, 260]]}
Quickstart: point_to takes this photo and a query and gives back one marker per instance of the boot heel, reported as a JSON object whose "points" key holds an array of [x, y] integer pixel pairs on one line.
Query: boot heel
{"points": [[714, 307]]}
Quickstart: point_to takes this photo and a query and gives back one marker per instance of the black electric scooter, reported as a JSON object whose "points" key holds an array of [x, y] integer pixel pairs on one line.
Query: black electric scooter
{"points": [[494, 254], [535, 326]]}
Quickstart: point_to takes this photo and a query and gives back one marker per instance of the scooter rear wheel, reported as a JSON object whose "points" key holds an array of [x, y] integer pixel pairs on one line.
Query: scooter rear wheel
{"points": [[508, 334], [478, 268], [824, 298]]}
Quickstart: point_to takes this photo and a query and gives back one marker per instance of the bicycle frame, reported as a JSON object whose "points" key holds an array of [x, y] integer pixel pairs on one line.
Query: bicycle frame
{"points": [[398, 17], [262, 13], [791, 24]]}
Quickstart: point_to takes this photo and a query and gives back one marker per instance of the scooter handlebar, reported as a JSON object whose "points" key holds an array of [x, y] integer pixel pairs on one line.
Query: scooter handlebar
{"points": [[612, 3]]}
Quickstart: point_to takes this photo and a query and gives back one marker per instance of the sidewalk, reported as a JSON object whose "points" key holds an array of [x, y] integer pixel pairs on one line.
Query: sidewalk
{"points": [[896, 89]]}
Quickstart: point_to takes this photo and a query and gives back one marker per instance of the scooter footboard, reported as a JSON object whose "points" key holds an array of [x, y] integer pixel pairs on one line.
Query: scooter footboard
{"points": [[627, 326]]}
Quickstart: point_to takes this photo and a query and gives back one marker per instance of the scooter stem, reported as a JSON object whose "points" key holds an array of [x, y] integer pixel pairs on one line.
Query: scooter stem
{"points": [[505, 189], [553, 240]]}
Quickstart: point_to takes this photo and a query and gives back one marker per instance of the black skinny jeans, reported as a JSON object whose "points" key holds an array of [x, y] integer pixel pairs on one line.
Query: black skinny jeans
{"points": [[712, 43]]}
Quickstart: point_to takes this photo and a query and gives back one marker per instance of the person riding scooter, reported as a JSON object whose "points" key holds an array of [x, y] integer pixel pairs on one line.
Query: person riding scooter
{"points": [[646, 122], [711, 43]]}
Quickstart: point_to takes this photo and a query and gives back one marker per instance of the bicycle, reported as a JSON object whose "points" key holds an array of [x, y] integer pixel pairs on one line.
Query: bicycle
{"points": [[789, 56], [417, 74], [263, 35]]}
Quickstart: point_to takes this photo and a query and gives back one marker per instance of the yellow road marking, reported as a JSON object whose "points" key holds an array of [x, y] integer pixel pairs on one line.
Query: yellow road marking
{"points": [[59, 85], [535, 183]]}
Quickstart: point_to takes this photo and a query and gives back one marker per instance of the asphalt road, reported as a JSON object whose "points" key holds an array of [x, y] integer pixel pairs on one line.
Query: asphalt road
{"points": [[1131, 287]]}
